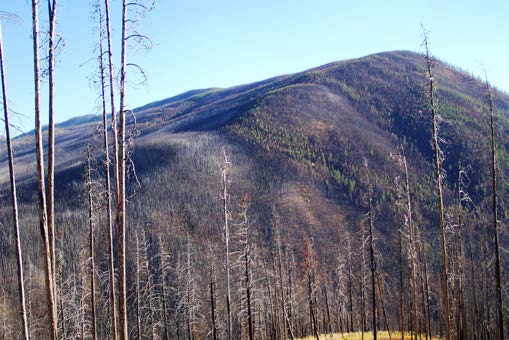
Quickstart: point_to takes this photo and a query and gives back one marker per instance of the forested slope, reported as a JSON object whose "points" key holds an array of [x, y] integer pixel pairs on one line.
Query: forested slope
{"points": [[301, 151]]}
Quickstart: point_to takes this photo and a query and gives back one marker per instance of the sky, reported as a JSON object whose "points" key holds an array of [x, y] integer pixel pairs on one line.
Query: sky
{"points": [[222, 43]]}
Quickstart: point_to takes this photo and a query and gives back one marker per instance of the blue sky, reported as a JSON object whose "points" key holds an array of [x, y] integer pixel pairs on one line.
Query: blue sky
{"points": [[221, 43]]}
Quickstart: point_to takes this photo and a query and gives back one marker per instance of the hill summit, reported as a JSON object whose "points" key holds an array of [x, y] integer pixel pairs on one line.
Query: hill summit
{"points": [[300, 154]]}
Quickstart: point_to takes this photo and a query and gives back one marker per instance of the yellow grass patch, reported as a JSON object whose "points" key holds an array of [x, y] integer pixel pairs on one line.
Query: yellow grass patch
{"points": [[358, 336]]}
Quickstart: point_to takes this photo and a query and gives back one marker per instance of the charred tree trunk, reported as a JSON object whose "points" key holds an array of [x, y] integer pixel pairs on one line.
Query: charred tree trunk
{"points": [[372, 253], [14, 198], [91, 240], [43, 223], [227, 246], [121, 202], [438, 177], [498, 271], [213, 304], [52, 7], [138, 295], [109, 213], [116, 163], [402, 287], [412, 252]]}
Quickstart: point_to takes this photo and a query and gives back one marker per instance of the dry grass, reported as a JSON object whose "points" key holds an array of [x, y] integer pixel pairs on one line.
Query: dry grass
{"points": [[358, 336]]}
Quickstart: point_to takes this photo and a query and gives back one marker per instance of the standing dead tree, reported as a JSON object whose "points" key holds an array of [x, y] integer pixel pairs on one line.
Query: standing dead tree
{"points": [[284, 316], [496, 231], [107, 175], [43, 223], [137, 8], [90, 200], [121, 195], [435, 120], [411, 249], [309, 270], [52, 8], [372, 253], [14, 198], [226, 216]]}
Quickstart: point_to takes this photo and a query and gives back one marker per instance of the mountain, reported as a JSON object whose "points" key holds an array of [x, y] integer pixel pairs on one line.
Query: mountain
{"points": [[297, 147], [319, 123]]}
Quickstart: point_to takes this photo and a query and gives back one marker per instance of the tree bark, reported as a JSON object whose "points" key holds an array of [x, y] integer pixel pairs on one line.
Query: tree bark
{"points": [[498, 271], [412, 252], [121, 202], [227, 246], [43, 222], [438, 178], [109, 214], [52, 8], [91, 242], [14, 198]]}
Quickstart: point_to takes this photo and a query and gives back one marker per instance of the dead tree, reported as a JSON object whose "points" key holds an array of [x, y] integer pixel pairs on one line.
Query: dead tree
{"points": [[411, 251], [212, 288], [401, 285], [284, 316], [164, 295], [461, 318], [246, 261], [226, 216], [14, 199], [310, 272], [122, 153], [473, 279], [362, 279], [373, 268], [52, 8], [121, 196], [114, 126], [43, 223], [137, 284], [435, 119], [189, 292], [90, 194], [496, 231], [109, 213]]}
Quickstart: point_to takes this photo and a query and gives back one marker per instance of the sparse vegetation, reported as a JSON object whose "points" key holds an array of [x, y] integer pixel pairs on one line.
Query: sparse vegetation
{"points": [[251, 212]]}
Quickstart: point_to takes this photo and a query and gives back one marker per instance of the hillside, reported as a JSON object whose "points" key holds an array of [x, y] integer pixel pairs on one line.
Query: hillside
{"points": [[297, 146]]}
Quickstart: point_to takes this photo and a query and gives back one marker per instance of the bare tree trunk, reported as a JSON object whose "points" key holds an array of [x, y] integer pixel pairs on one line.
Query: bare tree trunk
{"points": [[189, 292], [372, 251], [14, 198], [380, 291], [91, 241], [411, 250], [486, 286], [426, 284], [438, 174], [121, 202], [52, 8], [227, 246], [402, 287], [311, 306], [247, 276], [50, 291], [280, 277], [362, 282], [373, 273], [462, 324], [350, 284], [138, 296], [213, 303], [114, 131], [109, 214], [163, 286], [498, 272]]}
